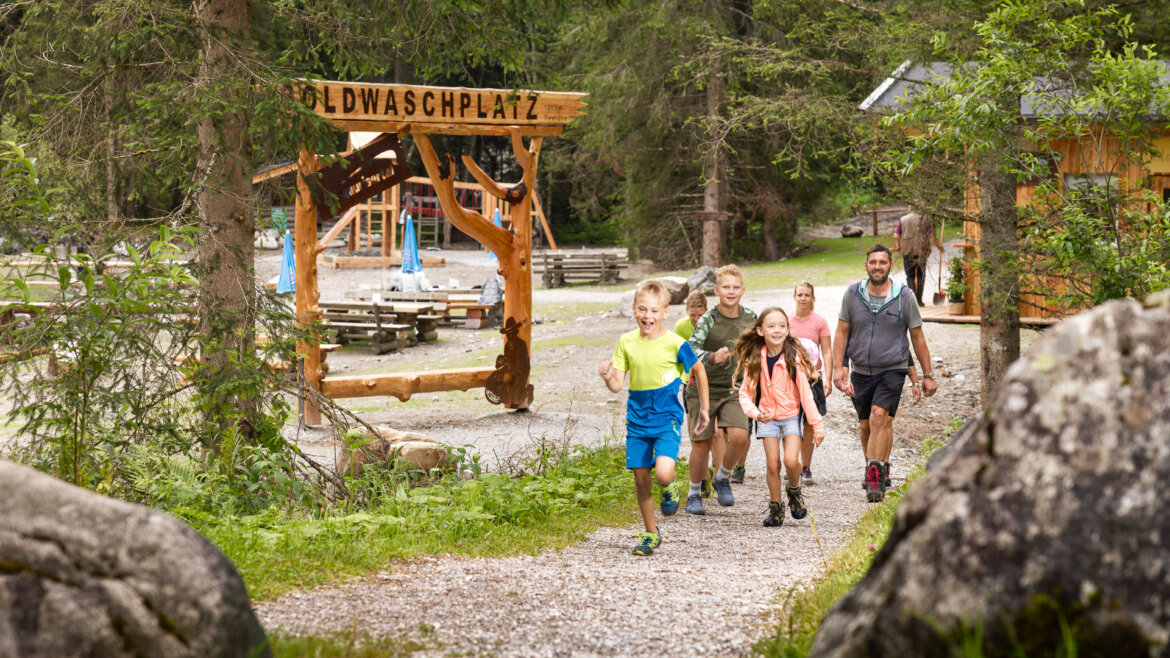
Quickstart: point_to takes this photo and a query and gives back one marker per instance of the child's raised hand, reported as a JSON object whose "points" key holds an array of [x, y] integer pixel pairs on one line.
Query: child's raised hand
{"points": [[720, 355], [701, 423], [764, 417], [605, 369]]}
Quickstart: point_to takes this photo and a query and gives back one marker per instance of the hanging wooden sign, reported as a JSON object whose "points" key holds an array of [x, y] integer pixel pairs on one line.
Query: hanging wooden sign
{"points": [[361, 176], [419, 104]]}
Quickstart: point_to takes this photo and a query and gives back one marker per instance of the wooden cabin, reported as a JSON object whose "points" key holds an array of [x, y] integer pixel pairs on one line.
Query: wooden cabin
{"points": [[1093, 159]]}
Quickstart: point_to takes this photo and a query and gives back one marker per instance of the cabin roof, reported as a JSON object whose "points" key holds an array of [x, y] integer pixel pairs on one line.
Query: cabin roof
{"points": [[909, 77]]}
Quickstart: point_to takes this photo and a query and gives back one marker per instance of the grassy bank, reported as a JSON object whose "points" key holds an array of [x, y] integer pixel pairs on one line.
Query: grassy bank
{"points": [[564, 499], [806, 608]]}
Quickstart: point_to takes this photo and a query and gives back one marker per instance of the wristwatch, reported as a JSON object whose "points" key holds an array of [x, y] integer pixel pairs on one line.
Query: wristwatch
{"points": [[928, 376]]}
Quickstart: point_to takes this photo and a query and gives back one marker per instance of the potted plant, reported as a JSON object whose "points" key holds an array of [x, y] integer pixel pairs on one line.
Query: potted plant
{"points": [[956, 285]]}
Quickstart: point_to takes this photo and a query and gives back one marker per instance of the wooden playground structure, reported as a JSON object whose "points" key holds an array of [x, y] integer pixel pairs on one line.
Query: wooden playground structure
{"points": [[393, 111]]}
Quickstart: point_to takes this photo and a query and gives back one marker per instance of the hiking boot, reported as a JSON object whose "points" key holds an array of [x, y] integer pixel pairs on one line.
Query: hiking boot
{"points": [[796, 503], [670, 497], [695, 505], [885, 475], [806, 476], [874, 491], [723, 492], [737, 475], [649, 542], [775, 516]]}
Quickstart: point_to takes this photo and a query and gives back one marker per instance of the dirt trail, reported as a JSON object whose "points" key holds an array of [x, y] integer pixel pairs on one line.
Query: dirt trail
{"points": [[713, 586]]}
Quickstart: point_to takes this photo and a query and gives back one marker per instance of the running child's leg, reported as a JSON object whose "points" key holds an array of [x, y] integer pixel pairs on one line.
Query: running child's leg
{"points": [[792, 458], [642, 489], [718, 447], [796, 504], [772, 457], [664, 470], [700, 451]]}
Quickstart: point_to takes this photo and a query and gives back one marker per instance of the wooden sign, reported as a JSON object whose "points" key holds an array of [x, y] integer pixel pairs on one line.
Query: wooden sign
{"points": [[447, 105], [361, 176]]}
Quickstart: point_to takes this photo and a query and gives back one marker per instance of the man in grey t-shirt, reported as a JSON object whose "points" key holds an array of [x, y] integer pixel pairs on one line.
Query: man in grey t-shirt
{"points": [[876, 315]]}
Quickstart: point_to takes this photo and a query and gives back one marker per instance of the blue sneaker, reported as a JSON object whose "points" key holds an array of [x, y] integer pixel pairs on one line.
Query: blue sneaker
{"points": [[648, 542], [670, 497], [723, 492], [695, 505]]}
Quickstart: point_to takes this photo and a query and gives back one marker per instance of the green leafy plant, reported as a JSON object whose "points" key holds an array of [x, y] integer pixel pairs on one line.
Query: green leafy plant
{"points": [[956, 284]]}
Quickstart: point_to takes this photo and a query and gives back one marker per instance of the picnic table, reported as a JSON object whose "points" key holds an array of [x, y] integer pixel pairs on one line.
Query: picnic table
{"points": [[387, 326], [451, 306], [559, 266]]}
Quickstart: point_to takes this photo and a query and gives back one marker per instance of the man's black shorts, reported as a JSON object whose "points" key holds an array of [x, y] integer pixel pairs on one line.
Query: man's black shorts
{"points": [[883, 389]]}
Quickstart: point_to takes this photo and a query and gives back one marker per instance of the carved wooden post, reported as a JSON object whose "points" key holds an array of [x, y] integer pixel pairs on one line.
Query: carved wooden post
{"points": [[513, 248], [307, 294]]}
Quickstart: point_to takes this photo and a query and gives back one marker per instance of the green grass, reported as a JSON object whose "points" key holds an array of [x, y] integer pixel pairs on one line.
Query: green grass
{"points": [[806, 608], [561, 312], [491, 515], [351, 644]]}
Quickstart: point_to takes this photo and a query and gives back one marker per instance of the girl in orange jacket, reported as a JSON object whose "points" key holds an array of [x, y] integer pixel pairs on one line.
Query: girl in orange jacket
{"points": [[776, 393]]}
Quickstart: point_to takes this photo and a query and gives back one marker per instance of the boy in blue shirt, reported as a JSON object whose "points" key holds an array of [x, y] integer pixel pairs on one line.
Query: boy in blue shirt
{"points": [[656, 360]]}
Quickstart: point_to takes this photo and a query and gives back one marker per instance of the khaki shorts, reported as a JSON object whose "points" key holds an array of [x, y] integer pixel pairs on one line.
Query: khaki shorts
{"points": [[725, 412]]}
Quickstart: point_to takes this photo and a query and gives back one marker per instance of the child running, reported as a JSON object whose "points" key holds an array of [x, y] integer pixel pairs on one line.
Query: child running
{"points": [[784, 397], [807, 324], [714, 337], [656, 360], [696, 305]]}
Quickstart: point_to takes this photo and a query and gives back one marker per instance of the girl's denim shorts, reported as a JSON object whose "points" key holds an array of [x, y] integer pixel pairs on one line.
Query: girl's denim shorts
{"points": [[781, 427]]}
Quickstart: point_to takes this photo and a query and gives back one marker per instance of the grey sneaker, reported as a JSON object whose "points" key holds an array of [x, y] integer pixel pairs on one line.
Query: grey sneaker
{"points": [[737, 475], [695, 505], [723, 492]]}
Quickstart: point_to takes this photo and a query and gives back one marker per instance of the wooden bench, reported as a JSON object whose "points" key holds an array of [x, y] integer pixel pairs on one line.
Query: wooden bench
{"points": [[558, 267]]}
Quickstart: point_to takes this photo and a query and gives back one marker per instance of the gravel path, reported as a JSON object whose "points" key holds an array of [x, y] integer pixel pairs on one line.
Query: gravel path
{"points": [[596, 598]]}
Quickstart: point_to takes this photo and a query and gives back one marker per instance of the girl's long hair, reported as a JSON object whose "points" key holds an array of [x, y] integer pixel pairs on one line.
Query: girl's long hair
{"points": [[750, 344]]}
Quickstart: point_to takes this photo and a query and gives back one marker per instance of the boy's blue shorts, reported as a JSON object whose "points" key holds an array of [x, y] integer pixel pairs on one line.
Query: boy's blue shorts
{"points": [[642, 451]]}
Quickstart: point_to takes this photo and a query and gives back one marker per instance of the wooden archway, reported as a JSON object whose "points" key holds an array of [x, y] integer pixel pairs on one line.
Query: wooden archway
{"points": [[399, 110]]}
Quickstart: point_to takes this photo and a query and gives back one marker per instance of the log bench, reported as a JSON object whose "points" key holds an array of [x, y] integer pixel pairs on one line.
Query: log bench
{"points": [[560, 266]]}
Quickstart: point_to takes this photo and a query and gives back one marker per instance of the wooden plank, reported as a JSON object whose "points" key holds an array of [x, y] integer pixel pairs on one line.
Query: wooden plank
{"points": [[359, 262], [424, 106], [405, 384]]}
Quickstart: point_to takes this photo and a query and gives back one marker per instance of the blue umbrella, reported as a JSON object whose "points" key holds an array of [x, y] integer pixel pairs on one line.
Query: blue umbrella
{"points": [[288, 267], [498, 222], [410, 261]]}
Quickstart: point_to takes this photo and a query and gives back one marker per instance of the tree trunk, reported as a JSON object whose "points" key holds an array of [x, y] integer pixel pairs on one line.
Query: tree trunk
{"points": [[999, 329], [226, 266], [714, 211]]}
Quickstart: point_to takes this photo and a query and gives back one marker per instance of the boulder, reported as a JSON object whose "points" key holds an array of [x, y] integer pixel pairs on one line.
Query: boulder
{"points": [[417, 450], [848, 231], [268, 239], [86, 575], [702, 279], [677, 286], [626, 304], [1048, 514]]}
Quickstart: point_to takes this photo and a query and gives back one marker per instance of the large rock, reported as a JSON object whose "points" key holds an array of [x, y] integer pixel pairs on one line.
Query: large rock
{"points": [[85, 575], [702, 279], [848, 231], [416, 450], [677, 287], [1051, 511], [626, 304]]}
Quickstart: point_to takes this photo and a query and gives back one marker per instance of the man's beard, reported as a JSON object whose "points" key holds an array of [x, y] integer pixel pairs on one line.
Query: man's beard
{"points": [[876, 281]]}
